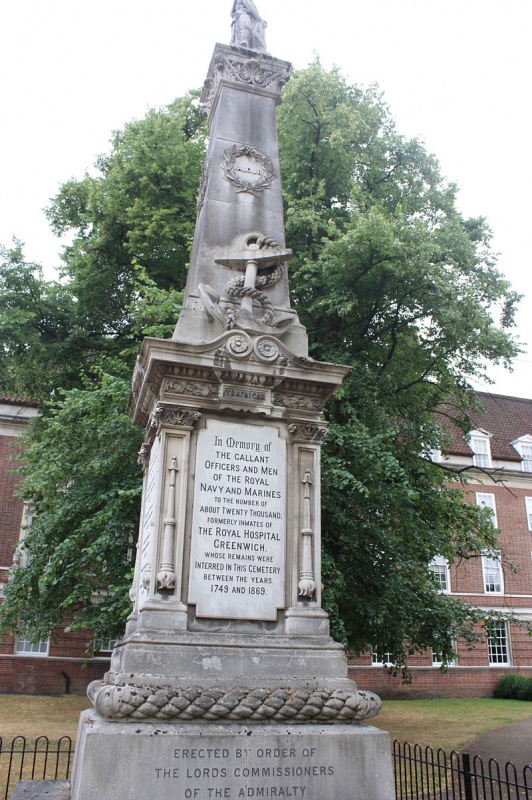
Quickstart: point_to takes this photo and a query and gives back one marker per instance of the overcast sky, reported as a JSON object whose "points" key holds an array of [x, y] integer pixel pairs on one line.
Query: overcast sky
{"points": [[455, 73]]}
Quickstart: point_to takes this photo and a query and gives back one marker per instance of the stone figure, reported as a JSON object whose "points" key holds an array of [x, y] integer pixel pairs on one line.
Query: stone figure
{"points": [[247, 27]]}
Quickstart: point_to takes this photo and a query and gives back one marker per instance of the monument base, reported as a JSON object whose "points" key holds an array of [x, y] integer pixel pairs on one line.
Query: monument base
{"points": [[129, 761]]}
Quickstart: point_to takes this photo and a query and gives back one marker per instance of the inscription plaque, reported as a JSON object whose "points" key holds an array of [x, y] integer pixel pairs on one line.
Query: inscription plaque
{"points": [[237, 566]]}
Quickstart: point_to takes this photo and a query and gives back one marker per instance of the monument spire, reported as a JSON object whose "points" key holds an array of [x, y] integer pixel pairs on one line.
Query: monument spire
{"points": [[227, 655]]}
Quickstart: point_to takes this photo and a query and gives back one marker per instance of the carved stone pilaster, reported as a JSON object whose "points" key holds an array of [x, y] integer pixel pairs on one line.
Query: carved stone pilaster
{"points": [[307, 585], [166, 576]]}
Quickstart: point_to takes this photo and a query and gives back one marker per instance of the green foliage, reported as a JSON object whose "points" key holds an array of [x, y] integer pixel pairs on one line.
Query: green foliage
{"points": [[513, 686], [81, 473], [387, 276]]}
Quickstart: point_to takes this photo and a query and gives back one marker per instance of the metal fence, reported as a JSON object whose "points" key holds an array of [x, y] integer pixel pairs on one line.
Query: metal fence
{"points": [[33, 760], [423, 774], [420, 772]]}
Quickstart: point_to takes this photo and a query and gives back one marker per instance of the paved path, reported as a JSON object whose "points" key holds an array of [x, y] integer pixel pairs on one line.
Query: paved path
{"points": [[511, 743]]}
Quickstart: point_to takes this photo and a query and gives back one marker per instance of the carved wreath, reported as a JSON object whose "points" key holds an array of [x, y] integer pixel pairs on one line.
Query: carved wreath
{"points": [[230, 167]]}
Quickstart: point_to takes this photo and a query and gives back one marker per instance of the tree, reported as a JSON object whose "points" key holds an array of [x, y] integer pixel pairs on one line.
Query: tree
{"points": [[397, 284], [387, 276]]}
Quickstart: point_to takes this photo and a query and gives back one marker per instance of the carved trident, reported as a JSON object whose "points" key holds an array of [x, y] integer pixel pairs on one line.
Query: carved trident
{"points": [[307, 584], [166, 575]]}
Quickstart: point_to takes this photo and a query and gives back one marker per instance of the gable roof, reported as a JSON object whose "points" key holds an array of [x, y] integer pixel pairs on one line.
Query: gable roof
{"points": [[505, 419]]}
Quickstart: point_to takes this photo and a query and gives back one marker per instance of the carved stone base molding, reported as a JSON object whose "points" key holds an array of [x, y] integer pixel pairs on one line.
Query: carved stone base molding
{"points": [[234, 704]]}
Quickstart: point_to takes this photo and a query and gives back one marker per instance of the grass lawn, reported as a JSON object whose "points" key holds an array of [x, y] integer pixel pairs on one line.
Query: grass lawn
{"points": [[449, 724]]}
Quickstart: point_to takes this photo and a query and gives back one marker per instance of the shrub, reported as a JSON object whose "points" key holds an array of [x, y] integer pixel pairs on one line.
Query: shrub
{"points": [[513, 687]]}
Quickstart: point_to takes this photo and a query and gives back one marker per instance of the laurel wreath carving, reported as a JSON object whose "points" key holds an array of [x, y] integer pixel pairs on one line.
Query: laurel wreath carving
{"points": [[230, 167], [235, 705]]}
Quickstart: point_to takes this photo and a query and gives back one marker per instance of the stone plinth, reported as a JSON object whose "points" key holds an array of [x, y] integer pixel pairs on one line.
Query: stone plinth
{"points": [[206, 762]]}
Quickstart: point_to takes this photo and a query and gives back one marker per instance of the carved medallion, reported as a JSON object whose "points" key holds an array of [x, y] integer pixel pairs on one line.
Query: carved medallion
{"points": [[266, 349], [239, 346], [248, 169]]}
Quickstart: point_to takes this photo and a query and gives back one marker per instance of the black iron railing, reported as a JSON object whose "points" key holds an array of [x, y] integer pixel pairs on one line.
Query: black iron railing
{"points": [[424, 774], [24, 759]]}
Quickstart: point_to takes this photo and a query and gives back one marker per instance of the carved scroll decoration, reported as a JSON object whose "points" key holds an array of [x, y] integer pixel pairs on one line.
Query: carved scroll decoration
{"points": [[166, 576], [251, 72], [307, 432], [307, 585], [177, 417]]}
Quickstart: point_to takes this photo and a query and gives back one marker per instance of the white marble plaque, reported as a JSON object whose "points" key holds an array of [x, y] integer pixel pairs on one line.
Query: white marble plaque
{"points": [[237, 566]]}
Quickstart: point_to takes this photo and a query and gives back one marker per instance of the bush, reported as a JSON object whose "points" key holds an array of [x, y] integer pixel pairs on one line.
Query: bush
{"points": [[514, 687]]}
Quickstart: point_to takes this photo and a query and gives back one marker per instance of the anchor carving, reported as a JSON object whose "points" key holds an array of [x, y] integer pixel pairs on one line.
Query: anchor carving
{"points": [[262, 261]]}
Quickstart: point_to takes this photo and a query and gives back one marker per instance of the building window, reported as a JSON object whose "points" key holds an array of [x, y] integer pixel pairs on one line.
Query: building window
{"points": [[479, 442], [491, 567], [106, 646], [526, 455], [498, 644], [381, 658], [523, 446], [439, 567], [487, 500], [25, 647], [437, 658], [528, 506]]}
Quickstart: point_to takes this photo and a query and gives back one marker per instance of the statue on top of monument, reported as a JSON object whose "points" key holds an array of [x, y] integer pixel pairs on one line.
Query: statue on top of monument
{"points": [[247, 27]]}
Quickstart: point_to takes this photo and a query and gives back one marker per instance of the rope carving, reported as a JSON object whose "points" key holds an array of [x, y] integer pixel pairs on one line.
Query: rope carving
{"points": [[235, 288], [235, 705]]}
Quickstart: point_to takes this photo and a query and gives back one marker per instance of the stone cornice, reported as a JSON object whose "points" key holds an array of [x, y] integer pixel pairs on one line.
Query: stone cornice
{"points": [[243, 69]]}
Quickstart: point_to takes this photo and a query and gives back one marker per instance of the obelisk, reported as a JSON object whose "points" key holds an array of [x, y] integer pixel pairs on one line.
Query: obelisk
{"points": [[227, 683]]}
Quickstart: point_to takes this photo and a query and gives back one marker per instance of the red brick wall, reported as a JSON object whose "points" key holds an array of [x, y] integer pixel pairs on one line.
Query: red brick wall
{"points": [[430, 682], [10, 506], [515, 544], [24, 674]]}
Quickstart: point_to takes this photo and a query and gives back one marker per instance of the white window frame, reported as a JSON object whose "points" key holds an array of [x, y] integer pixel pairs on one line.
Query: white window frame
{"points": [[492, 572], [479, 442], [528, 508], [381, 658], [499, 651], [523, 445], [28, 649], [487, 500], [440, 566], [437, 660], [104, 645]]}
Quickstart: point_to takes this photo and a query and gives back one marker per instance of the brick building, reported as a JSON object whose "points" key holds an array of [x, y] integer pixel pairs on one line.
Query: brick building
{"points": [[49, 667], [499, 454]]}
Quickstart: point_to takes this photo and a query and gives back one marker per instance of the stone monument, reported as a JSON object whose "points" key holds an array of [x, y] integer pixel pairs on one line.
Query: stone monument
{"points": [[227, 683]]}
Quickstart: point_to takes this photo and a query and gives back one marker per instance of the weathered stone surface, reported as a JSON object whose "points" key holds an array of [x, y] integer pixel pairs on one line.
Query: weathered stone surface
{"points": [[41, 790], [124, 762]]}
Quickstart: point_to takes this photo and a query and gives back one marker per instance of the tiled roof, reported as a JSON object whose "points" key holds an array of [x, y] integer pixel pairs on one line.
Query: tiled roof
{"points": [[505, 418], [18, 401]]}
